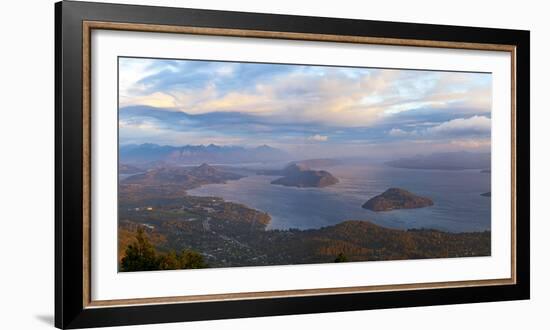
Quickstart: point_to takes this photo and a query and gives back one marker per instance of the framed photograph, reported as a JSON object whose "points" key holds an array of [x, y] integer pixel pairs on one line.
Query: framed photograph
{"points": [[214, 164]]}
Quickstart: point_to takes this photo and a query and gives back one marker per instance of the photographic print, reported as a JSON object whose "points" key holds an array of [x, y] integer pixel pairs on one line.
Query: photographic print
{"points": [[215, 164], [227, 164]]}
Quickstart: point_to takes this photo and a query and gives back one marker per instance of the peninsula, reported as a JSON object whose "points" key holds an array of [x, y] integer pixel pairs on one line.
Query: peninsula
{"points": [[185, 177]]}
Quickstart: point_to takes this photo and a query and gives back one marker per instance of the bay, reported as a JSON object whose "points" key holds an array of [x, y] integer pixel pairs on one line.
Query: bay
{"points": [[458, 206]]}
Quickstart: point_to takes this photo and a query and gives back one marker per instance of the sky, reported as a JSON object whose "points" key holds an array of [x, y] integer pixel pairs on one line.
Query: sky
{"points": [[314, 111]]}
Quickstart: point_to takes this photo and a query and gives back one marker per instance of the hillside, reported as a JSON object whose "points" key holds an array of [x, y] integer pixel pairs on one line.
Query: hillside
{"points": [[186, 177], [129, 169]]}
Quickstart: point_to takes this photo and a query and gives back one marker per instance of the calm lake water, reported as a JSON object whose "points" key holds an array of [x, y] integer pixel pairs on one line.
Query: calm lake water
{"points": [[456, 194]]}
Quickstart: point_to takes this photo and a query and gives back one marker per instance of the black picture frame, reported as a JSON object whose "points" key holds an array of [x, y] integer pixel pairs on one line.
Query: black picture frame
{"points": [[70, 310]]}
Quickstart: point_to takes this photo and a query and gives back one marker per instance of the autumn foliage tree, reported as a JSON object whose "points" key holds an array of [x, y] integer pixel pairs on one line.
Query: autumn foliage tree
{"points": [[142, 256], [187, 259]]}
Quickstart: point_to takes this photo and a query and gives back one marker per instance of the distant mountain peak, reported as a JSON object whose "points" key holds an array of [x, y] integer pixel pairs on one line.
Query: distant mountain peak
{"points": [[264, 146], [214, 146], [296, 167]]}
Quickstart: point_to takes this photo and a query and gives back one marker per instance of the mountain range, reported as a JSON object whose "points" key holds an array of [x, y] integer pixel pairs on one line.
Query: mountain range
{"points": [[197, 154], [462, 160]]}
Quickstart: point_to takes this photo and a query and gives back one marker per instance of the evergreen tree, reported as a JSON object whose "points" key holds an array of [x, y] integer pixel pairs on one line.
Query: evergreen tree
{"points": [[191, 260], [169, 261], [140, 255]]}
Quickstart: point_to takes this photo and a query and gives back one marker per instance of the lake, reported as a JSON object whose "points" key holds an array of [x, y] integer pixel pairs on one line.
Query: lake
{"points": [[456, 195]]}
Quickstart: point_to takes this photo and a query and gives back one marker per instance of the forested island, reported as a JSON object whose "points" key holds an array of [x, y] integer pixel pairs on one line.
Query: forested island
{"points": [[395, 199], [301, 176]]}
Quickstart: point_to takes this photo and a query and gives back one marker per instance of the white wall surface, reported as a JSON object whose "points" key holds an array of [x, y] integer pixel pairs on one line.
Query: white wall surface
{"points": [[27, 169]]}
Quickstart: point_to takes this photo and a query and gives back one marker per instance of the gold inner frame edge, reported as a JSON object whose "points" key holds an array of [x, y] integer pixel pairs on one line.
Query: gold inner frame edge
{"points": [[88, 26]]}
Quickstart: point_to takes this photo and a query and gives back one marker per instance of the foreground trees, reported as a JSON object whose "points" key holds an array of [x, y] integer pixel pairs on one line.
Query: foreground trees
{"points": [[142, 256]]}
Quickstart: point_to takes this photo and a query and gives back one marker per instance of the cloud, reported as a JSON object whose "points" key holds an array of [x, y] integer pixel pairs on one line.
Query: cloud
{"points": [[462, 126], [157, 99], [458, 128], [397, 132], [472, 143], [142, 130], [188, 102], [318, 138], [348, 97]]}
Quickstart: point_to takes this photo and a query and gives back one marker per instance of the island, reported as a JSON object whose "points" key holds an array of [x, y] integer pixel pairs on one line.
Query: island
{"points": [[396, 198], [487, 194], [301, 176]]}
